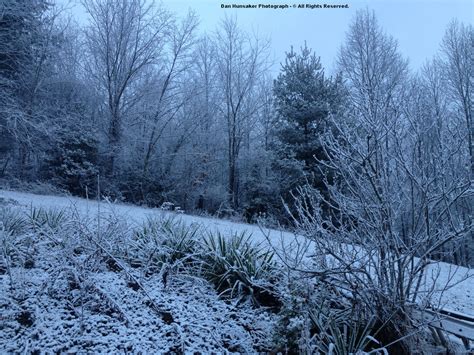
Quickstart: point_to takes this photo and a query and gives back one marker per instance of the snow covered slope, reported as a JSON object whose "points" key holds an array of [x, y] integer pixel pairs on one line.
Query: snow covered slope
{"points": [[459, 298]]}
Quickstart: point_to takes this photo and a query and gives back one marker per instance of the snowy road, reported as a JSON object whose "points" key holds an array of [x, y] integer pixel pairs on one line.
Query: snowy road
{"points": [[459, 298]]}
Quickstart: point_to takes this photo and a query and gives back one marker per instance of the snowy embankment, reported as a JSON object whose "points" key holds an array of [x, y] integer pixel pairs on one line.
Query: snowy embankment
{"points": [[459, 297], [134, 215], [62, 289]]}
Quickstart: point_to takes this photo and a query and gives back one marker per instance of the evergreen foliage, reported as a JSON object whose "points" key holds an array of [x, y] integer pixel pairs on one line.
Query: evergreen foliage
{"points": [[304, 99]]}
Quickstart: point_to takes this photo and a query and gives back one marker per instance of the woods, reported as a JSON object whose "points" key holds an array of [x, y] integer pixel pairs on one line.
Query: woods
{"points": [[163, 112], [359, 183]]}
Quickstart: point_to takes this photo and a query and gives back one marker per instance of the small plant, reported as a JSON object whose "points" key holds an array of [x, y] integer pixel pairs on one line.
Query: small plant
{"points": [[15, 250], [12, 221], [50, 220], [341, 333], [15, 242], [161, 242], [239, 268], [179, 241]]}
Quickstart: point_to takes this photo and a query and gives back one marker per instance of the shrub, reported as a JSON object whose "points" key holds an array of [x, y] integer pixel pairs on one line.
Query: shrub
{"points": [[12, 221], [72, 162], [239, 268], [343, 333], [15, 242], [47, 220], [316, 318], [160, 242]]}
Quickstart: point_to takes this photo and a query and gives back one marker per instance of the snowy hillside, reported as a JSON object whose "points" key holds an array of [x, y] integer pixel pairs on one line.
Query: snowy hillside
{"points": [[459, 298], [63, 298], [65, 287]]}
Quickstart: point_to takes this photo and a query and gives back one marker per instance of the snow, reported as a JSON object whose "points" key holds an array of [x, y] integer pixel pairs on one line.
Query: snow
{"points": [[459, 298], [66, 303], [201, 321]]}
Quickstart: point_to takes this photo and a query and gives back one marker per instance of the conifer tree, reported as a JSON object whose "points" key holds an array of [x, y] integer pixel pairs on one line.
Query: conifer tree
{"points": [[304, 99]]}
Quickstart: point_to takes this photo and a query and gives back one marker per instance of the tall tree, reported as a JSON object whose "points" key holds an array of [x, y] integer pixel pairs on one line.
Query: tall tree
{"points": [[241, 61], [375, 73], [167, 91], [123, 38], [458, 51], [28, 41], [304, 98]]}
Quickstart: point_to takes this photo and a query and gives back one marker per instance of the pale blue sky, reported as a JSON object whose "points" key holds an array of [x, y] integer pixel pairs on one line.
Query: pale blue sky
{"points": [[418, 25]]}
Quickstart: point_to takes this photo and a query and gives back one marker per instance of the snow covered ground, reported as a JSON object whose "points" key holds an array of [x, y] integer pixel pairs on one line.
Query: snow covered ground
{"points": [[459, 298], [133, 214], [67, 301]]}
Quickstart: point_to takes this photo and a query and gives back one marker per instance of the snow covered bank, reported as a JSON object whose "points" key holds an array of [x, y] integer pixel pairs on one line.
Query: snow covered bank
{"points": [[459, 298]]}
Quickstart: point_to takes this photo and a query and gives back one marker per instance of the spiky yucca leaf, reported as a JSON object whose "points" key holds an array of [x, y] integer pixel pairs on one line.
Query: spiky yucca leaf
{"points": [[13, 221], [50, 220], [162, 241], [237, 267], [342, 334]]}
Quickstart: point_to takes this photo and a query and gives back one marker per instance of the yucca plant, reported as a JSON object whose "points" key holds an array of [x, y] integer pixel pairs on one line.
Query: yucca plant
{"points": [[12, 221], [16, 245], [163, 241], [341, 333], [180, 241], [50, 220], [237, 267], [15, 250]]}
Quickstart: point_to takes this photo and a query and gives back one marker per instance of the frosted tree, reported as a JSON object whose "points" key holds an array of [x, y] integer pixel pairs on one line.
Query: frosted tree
{"points": [[29, 32], [458, 65], [241, 61], [205, 158], [167, 94], [304, 99], [395, 195], [124, 38]]}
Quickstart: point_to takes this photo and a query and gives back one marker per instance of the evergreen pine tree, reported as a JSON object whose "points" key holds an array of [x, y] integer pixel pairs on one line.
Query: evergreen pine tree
{"points": [[304, 98]]}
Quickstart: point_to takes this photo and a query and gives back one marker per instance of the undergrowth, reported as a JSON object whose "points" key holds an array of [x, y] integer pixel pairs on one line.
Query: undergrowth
{"points": [[239, 268], [310, 316]]}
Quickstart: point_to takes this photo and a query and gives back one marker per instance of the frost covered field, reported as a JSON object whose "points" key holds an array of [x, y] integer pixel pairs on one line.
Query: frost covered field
{"points": [[75, 282], [62, 293]]}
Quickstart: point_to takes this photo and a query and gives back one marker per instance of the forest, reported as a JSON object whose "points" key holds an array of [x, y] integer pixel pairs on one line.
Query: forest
{"points": [[139, 104], [373, 166]]}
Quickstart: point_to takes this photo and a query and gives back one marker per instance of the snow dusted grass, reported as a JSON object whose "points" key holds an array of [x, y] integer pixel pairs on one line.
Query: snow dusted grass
{"points": [[458, 298], [75, 283]]}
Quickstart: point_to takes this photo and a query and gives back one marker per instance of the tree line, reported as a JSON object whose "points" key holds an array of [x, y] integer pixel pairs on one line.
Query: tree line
{"points": [[162, 112]]}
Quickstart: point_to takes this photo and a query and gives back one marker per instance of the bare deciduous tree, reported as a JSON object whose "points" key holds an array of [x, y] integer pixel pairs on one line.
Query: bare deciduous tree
{"points": [[395, 196], [168, 90], [458, 50], [123, 39], [241, 61]]}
